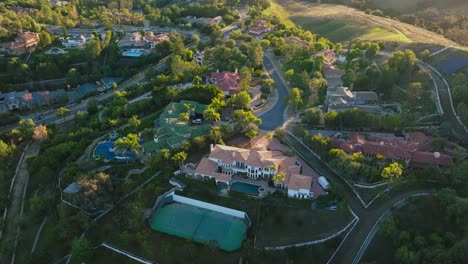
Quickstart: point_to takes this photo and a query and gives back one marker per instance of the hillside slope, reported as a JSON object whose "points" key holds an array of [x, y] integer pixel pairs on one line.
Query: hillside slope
{"points": [[341, 23]]}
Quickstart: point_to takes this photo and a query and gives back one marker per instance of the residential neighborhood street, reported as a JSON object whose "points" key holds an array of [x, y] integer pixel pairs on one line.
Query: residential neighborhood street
{"points": [[274, 117]]}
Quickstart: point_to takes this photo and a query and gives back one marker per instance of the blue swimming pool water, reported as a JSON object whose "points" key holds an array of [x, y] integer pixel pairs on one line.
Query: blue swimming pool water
{"points": [[245, 188], [132, 53], [105, 149]]}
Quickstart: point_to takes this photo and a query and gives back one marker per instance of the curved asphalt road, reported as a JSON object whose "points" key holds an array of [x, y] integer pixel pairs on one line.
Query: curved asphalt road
{"points": [[274, 117]]}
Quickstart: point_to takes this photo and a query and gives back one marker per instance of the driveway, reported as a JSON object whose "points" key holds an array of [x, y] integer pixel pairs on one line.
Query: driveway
{"points": [[273, 118]]}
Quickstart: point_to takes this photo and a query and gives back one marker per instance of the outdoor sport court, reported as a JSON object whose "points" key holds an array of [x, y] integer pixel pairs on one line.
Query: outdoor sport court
{"points": [[200, 225]]}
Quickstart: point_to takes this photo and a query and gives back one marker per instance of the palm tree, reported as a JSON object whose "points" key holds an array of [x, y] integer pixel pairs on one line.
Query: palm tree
{"points": [[180, 157], [279, 178], [217, 103], [134, 122], [165, 153], [112, 122], [130, 143], [216, 135], [211, 114], [184, 117]]}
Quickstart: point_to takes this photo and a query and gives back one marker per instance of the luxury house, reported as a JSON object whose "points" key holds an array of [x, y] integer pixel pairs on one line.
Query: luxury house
{"points": [[75, 41], [296, 40], [413, 150], [135, 39], [259, 28], [341, 98], [171, 132], [224, 162], [25, 42], [228, 82]]}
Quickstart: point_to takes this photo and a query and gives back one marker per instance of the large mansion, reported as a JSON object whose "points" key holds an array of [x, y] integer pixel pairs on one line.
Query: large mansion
{"points": [[413, 150], [224, 162], [25, 42]]}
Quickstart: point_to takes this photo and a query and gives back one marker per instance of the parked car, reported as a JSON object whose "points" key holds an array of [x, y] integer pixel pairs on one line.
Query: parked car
{"points": [[197, 121]]}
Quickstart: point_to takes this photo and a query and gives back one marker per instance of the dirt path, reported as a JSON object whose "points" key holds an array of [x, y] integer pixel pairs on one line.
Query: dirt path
{"points": [[11, 231]]}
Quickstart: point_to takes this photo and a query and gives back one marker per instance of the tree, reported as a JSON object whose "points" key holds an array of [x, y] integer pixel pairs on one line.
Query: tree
{"points": [[253, 133], [211, 114], [129, 143], [92, 106], [331, 119], [40, 133], [392, 172], [184, 117], [92, 49], [240, 100], [373, 49], [294, 98], [216, 135], [81, 116], [245, 78], [134, 122], [279, 177], [6, 152], [245, 118], [424, 54], [81, 250], [266, 87], [180, 158], [62, 111], [312, 116], [26, 127], [112, 122], [438, 143]]}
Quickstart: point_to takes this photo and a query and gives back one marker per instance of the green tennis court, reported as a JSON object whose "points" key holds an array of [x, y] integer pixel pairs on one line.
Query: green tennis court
{"points": [[201, 225]]}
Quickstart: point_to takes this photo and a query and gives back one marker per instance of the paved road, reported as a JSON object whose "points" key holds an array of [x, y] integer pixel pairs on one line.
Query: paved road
{"points": [[274, 117], [51, 117], [445, 98], [367, 216]]}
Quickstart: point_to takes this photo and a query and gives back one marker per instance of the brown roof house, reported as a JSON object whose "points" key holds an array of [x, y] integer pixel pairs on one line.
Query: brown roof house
{"points": [[25, 42], [295, 40], [228, 82], [259, 28], [225, 161], [413, 150]]}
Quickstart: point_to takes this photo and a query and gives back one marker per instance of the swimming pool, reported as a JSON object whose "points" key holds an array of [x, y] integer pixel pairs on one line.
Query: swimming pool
{"points": [[132, 53], [245, 188], [106, 149]]}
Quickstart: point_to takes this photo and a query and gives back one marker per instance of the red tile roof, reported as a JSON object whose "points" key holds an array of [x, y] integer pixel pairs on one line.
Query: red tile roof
{"points": [[395, 148], [226, 81], [260, 27], [422, 158]]}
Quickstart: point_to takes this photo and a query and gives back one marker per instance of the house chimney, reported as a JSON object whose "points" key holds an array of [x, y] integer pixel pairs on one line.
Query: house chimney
{"points": [[436, 155], [211, 147], [217, 70], [235, 70]]}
